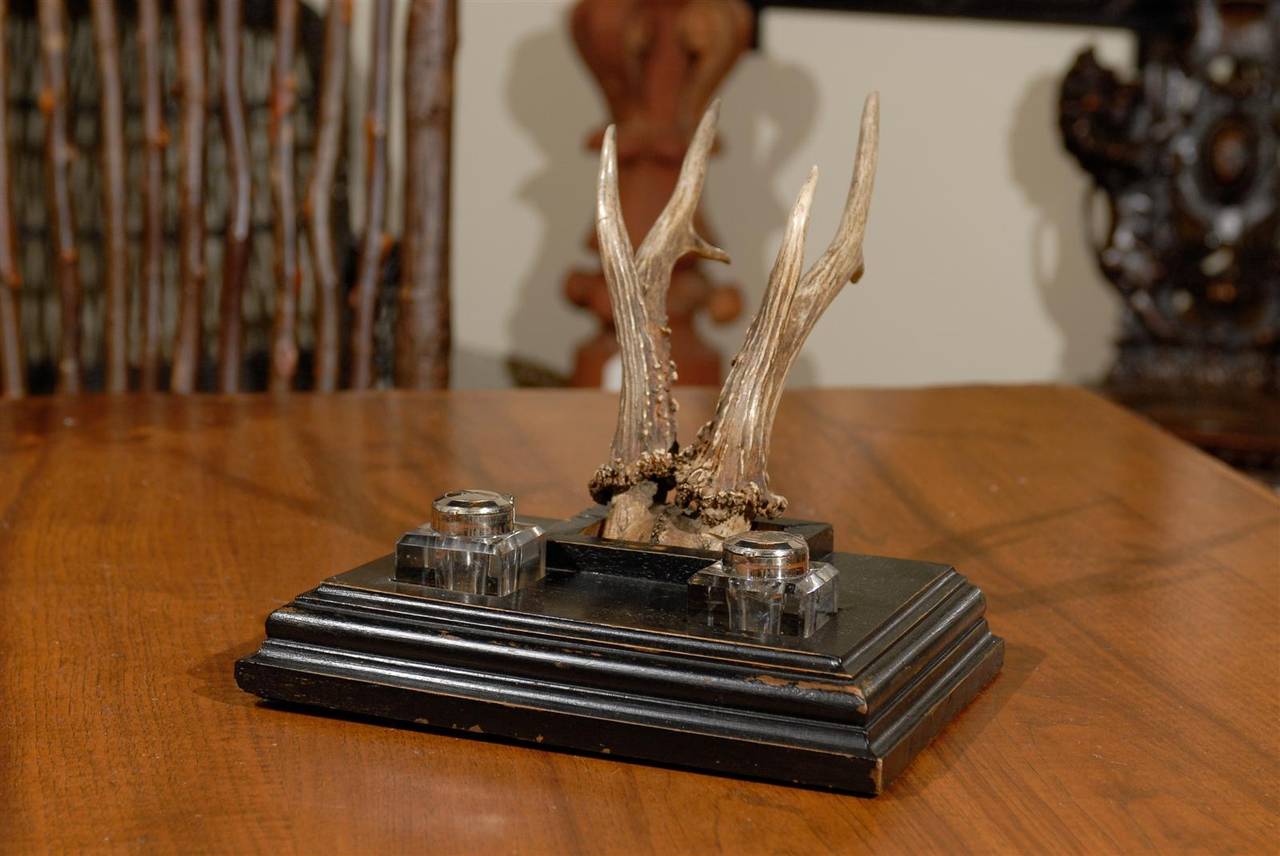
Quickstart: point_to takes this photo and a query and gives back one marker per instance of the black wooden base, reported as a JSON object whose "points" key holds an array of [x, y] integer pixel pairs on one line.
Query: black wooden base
{"points": [[603, 656]]}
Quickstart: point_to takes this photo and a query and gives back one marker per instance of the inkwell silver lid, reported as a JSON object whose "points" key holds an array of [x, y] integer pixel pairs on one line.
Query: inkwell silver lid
{"points": [[766, 553], [473, 513]]}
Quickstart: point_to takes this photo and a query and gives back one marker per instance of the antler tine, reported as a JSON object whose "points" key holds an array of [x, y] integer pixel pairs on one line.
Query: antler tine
{"points": [[843, 260], [721, 482], [720, 478], [673, 234], [641, 460], [645, 411]]}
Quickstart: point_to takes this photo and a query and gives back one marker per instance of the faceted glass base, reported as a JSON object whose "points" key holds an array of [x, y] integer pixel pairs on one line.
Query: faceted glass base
{"points": [[764, 606], [490, 564]]}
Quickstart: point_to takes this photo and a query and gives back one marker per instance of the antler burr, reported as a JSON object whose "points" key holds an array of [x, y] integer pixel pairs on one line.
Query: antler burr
{"points": [[717, 486]]}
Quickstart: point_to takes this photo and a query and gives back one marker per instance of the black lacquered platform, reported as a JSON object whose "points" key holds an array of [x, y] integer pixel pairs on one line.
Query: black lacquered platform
{"points": [[603, 656]]}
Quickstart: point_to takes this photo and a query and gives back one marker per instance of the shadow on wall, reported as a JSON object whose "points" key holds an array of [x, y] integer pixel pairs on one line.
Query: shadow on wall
{"points": [[769, 110], [1074, 293], [551, 96]]}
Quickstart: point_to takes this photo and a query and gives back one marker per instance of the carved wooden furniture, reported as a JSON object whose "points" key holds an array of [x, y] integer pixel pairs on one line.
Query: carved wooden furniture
{"points": [[658, 63], [182, 94], [1135, 710], [1186, 157]]}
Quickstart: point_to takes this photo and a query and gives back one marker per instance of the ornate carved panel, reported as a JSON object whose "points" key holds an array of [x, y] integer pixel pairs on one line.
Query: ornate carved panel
{"points": [[658, 63], [1185, 156]]}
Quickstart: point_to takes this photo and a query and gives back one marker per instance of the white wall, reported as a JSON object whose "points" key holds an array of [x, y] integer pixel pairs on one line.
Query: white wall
{"points": [[977, 266]]}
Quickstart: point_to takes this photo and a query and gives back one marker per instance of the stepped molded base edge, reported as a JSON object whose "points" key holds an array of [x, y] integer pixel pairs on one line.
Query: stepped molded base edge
{"points": [[602, 656]]}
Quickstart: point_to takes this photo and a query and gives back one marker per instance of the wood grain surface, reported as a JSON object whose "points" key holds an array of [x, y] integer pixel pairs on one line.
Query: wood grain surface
{"points": [[143, 540]]}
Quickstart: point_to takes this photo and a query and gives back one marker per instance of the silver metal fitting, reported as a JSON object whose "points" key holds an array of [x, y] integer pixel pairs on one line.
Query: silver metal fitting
{"points": [[764, 585], [472, 545], [473, 513], [769, 554]]}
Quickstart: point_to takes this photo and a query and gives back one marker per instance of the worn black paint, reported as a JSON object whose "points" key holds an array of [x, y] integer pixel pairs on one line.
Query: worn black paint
{"points": [[603, 656]]}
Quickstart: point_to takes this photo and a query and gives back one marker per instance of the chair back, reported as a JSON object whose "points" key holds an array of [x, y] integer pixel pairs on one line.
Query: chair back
{"points": [[174, 198]]}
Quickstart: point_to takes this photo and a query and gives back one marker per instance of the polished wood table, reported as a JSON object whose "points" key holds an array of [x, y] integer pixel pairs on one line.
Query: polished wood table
{"points": [[144, 540]]}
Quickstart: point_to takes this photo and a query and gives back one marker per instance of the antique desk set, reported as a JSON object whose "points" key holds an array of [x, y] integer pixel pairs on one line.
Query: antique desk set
{"points": [[681, 620]]}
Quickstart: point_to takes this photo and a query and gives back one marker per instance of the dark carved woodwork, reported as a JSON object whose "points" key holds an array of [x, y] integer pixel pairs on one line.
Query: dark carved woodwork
{"points": [[658, 63], [1186, 158], [604, 656]]}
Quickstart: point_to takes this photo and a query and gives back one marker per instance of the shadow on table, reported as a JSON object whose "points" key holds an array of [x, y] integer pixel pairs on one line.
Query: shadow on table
{"points": [[950, 750], [215, 675]]}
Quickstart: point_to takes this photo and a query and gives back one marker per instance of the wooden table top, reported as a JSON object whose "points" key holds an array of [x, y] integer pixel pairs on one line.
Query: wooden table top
{"points": [[144, 540]]}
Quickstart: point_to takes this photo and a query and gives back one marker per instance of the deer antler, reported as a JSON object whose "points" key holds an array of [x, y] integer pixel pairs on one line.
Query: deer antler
{"points": [[641, 459], [721, 483], [718, 485]]}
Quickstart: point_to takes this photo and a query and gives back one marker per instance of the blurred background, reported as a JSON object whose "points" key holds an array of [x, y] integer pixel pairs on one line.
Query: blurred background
{"points": [[978, 265], [1069, 191]]}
